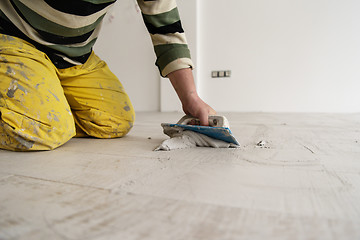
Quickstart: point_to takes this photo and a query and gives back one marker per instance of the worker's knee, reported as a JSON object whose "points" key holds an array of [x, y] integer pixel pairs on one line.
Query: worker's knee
{"points": [[22, 133], [101, 124]]}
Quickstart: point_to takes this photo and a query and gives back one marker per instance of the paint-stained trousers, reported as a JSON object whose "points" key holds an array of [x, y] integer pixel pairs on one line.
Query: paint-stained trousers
{"points": [[42, 107]]}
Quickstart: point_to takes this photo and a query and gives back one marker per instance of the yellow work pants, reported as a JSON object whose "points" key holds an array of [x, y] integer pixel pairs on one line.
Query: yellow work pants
{"points": [[42, 107]]}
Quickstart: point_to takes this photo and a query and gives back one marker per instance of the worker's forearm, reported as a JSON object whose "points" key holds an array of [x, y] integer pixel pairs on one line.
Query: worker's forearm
{"points": [[184, 85]]}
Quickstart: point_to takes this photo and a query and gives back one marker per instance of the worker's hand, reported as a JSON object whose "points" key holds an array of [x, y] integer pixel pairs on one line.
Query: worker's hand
{"points": [[196, 107], [183, 83]]}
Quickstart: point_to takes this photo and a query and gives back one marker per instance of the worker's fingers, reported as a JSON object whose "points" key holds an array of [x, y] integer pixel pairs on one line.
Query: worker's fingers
{"points": [[204, 116], [204, 119], [200, 110]]}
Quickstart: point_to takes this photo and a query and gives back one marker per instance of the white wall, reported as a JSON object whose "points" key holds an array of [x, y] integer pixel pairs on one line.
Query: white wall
{"points": [[285, 56], [125, 45]]}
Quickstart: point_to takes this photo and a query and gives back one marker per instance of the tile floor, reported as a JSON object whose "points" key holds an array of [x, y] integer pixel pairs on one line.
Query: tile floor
{"points": [[304, 183]]}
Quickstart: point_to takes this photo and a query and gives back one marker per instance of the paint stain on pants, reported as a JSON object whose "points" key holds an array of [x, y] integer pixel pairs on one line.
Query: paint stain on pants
{"points": [[42, 107]]}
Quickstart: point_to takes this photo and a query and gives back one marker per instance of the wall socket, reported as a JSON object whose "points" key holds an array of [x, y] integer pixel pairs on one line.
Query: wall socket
{"points": [[221, 74]]}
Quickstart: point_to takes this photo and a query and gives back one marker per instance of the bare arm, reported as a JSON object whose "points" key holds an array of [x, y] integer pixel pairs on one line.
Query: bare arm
{"points": [[183, 83]]}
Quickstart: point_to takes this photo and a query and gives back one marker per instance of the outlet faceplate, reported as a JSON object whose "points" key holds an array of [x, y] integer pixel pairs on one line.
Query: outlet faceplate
{"points": [[221, 74]]}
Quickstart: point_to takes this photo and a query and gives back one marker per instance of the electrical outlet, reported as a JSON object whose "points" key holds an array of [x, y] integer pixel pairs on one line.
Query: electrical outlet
{"points": [[221, 74]]}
